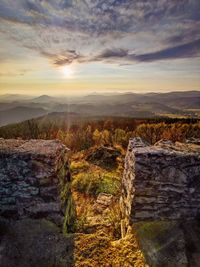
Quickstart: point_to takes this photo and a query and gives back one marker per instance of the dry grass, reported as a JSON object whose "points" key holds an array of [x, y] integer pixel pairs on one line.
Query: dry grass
{"points": [[98, 249], [97, 241]]}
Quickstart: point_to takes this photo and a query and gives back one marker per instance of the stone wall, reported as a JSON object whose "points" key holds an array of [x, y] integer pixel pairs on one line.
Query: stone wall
{"points": [[34, 179], [161, 181]]}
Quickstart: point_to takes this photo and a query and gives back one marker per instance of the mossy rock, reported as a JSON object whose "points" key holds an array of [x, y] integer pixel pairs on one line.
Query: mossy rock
{"points": [[162, 243], [105, 157]]}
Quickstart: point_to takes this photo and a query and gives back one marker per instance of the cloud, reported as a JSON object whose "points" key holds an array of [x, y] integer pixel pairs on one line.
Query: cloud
{"points": [[65, 58], [187, 50], [34, 6], [113, 53], [185, 33], [97, 16], [66, 31]]}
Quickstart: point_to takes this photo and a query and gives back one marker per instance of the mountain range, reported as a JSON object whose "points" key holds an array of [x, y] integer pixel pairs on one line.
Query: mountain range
{"points": [[16, 108]]}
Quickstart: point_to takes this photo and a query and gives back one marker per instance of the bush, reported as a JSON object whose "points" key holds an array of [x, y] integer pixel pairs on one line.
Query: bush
{"points": [[110, 184], [86, 183], [95, 183], [77, 166]]}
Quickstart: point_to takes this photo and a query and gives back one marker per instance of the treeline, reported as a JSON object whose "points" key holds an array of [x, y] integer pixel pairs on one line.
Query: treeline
{"points": [[172, 131], [108, 131]]}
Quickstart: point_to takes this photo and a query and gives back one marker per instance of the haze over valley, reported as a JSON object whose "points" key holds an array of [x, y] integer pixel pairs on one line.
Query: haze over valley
{"points": [[17, 108]]}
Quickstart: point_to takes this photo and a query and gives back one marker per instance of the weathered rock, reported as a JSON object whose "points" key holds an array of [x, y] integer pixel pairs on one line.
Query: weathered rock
{"points": [[170, 243], [103, 156], [34, 243], [161, 201], [163, 243], [137, 142], [103, 202], [161, 182], [33, 176], [191, 231]]}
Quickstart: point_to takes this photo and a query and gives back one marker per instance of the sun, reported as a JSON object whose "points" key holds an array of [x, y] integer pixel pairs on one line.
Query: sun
{"points": [[67, 71]]}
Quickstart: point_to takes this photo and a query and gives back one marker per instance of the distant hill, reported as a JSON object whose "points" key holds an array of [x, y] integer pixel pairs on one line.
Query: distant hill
{"points": [[167, 98], [152, 104], [172, 104], [44, 99], [186, 102], [19, 114], [189, 99]]}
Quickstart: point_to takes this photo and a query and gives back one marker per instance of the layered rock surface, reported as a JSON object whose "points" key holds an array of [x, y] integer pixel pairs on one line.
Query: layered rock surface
{"points": [[161, 201], [33, 175], [161, 181]]}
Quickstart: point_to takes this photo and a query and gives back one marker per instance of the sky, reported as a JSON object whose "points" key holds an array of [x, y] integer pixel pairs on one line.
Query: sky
{"points": [[81, 46]]}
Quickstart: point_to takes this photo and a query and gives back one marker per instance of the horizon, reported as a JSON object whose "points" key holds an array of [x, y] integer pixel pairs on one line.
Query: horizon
{"points": [[77, 94], [72, 48]]}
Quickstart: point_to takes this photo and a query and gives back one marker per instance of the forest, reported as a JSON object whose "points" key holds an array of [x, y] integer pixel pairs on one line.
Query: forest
{"points": [[82, 133]]}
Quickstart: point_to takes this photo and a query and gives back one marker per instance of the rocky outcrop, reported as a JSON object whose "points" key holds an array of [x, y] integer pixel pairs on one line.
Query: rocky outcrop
{"points": [[161, 181], [169, 243], [103, 156], [163, 243], [161, 201], [34, 243], [34, 180]]}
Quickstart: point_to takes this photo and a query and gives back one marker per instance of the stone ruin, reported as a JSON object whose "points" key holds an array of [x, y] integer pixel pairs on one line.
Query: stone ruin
{"points": [[34, 180], [160, 187], [161, 201], [161, 181]]}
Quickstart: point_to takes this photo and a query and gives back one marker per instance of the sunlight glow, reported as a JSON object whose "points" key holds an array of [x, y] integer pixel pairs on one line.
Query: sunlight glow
{"points": [[67, 71]]}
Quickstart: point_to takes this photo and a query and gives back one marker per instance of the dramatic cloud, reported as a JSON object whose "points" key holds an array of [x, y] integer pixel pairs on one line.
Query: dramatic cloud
{"points": [[116, 53], [66, 58], [188, 50], [66, 31]]}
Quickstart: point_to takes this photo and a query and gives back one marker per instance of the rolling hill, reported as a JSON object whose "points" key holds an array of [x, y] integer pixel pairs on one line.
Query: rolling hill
{"points": [[15, 108], [19, 114]]}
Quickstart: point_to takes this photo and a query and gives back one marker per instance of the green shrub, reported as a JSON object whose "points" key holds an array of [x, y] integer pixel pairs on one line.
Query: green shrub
{"points": [[95, 183], [77, 166], [109, 184], [87, 183]]}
